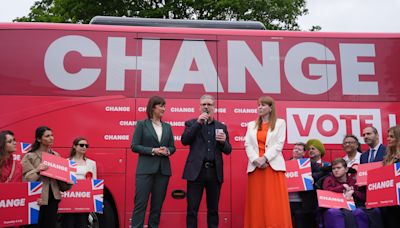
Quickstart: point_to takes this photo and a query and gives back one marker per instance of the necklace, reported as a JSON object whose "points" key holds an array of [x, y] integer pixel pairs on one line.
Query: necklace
{"points": [[156, 123]]}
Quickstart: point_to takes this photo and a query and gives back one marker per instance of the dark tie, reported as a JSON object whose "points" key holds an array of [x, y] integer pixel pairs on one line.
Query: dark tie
{"points": [[372, 157]]}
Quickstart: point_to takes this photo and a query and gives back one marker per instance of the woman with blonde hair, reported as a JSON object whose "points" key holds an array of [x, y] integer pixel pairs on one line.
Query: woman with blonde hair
{"points": [[390, 215], [267, 201]]}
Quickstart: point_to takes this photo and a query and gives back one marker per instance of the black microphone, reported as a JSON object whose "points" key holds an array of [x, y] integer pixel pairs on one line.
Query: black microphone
{"points": [[206, 111]]}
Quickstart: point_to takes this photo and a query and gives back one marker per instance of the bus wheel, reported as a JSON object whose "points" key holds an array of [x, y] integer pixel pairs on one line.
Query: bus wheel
{"points": [[93, 220], [109, 217]]}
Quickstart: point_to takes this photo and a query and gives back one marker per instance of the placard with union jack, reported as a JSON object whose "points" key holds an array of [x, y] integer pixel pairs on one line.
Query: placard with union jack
{"points": [[298, 175], [383, 186], [329, 199], [18, 203], [85, 196], [59, 168]]}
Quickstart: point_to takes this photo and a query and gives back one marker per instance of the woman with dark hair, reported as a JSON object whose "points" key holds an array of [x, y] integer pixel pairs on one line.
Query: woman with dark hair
{"points": [[11, 170], [32, 166], [267, 200], [390, 215], [154, 142], [86, 169]]}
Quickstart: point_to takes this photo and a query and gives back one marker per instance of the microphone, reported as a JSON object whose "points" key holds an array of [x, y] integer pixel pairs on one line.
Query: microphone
{"points": [[207, 112]]}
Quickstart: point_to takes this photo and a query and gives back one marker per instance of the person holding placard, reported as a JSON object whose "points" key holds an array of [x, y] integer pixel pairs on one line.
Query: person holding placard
{"points": [[342, 181], [86, 169], [11, 170], [32, 166], [267, 201], [391, 215]]}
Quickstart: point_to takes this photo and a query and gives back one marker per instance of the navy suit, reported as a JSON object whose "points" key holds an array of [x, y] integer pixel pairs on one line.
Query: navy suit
{"points": [[378, 156], [199, 174]]}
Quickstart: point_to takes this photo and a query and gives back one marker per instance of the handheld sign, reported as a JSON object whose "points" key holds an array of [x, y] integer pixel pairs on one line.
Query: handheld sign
{"points": [[383, 186], [298, 175], [18, 203], [329, 199], [85, 196], [59, 168], [362, 172]]}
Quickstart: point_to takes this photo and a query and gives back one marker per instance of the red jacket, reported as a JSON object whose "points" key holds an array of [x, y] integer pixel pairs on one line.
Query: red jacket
{"points": [[332, 184], [6, 171]]}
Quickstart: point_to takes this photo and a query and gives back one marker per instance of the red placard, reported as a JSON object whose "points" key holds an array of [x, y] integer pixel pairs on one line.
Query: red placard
{"points": [[84, 196], [18, 203], [59, 168], [329, 199], [298, 175], [362, 172], [383, 188]]}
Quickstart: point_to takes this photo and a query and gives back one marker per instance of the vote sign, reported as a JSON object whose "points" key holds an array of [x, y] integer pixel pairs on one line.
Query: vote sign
{"points": [[59, 168], [383, 186], [85, 196], [298, 175], [18, 203]]}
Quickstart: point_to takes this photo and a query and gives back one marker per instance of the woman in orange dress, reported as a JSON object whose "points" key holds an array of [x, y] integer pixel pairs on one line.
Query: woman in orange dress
{"points": [[267, 201]]}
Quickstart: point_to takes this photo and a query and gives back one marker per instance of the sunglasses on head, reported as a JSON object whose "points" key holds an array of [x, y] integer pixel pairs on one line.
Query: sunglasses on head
{"points": [[83, 145]]}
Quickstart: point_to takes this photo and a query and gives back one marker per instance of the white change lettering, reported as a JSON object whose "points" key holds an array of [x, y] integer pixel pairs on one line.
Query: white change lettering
{"points": [[56, 166], [175, 109], [380, 185], [116, 137], [118, 108], [12, 203], [72, 194]]}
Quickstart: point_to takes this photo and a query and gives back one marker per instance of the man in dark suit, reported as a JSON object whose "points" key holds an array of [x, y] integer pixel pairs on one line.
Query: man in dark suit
{"points": [[376, 150], [208, 139]]}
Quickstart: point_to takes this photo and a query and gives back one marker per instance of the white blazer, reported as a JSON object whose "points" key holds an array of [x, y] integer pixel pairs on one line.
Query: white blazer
{"points": [[274, 145]]}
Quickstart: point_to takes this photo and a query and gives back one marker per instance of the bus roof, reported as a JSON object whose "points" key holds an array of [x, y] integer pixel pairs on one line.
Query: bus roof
{"points": [[157, 22]]}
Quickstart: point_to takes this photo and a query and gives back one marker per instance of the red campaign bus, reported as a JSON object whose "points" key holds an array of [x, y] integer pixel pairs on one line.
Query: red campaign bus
{"points": [[95, 80]]}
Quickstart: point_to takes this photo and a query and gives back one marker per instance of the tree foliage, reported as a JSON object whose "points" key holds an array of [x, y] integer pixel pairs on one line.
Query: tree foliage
{"points": [[274, 14]]}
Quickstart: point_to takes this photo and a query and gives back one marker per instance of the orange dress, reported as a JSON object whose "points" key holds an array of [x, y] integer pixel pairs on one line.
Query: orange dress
{"points": [[267, 200]]}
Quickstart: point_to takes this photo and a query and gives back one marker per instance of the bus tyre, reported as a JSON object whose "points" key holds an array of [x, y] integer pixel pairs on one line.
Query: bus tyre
{"points": [[109, 217]]}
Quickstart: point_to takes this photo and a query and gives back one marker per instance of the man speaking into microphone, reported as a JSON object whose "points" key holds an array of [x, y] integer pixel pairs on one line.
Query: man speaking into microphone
{"points": [[208, 139]]}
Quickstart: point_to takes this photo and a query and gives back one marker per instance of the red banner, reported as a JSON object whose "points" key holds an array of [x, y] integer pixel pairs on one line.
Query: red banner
{"points": [[329, 199], [362, 172], [298, 175], [383, 188], [84, 196], [18, 203], [59, 168]]}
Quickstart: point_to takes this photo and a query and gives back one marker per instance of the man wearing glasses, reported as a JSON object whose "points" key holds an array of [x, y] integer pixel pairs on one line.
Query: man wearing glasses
{"points": [[208, 139]]}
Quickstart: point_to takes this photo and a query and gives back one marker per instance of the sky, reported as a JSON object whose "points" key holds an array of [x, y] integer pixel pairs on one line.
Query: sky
{"points": [[331, 15]]}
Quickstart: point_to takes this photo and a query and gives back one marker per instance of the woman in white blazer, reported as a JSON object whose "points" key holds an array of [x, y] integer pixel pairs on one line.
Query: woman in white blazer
{"points": [[267, 201], [86, 169]]}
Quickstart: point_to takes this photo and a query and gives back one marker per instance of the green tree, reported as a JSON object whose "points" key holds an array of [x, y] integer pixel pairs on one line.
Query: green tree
{"points": [[274, 14]]}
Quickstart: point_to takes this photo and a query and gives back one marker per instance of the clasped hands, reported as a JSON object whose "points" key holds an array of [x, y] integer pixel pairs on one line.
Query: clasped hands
{"points": [[161, 151], [261, 162], [348, 192]]}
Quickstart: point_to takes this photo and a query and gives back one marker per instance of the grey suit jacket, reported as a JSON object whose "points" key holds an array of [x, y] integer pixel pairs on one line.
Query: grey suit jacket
{"points": [[144, 140]]}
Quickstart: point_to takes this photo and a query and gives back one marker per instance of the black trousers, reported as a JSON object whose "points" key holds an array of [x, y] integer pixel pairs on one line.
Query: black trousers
{"points": [[74, 220], [156, 184], [48, 213], [207, 179]]}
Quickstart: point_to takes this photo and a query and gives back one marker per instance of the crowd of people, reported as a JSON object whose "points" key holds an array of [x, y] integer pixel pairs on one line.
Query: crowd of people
{"points": [[268, 203], [29, 170]]}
